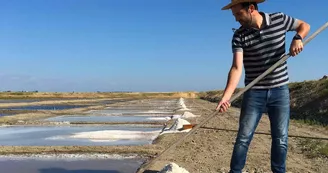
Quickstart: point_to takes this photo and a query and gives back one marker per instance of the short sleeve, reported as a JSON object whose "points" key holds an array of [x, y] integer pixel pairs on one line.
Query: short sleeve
{"points": [[290, 23], [236, 43]]}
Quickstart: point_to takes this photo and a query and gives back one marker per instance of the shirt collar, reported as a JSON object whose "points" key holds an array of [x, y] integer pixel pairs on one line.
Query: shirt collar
{"points": [[267, 19]]}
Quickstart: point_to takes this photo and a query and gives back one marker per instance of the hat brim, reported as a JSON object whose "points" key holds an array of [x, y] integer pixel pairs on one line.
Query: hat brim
{"points": [[227, 7]]}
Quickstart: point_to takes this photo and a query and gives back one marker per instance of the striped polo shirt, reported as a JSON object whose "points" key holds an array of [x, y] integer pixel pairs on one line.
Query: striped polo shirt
{"points": [[264, 47]]}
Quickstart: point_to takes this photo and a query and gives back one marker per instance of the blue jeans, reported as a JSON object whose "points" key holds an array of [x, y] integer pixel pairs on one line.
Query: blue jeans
{"points": [[255, 101]]}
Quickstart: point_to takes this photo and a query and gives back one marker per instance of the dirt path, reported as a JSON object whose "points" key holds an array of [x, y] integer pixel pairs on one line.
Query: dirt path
{"points": [[209, 149]]}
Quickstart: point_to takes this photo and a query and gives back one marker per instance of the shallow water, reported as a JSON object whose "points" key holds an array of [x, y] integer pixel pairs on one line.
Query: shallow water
{"points": [[18, 100], [159, 110], [69, 166], [130, 111], [45, 107], [6, 114], [95, 118], [76, 135], [142, 107], [33, 100]]}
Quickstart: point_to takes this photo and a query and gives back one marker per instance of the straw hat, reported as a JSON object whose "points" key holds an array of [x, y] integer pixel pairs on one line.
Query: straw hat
{"points": [[235, 2]]}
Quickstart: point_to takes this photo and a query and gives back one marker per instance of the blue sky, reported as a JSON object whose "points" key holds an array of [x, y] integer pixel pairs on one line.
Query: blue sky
{"points": [[129, 45]]}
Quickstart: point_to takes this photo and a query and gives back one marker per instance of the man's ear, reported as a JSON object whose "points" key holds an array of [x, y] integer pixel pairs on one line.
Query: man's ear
{"points": [[251, 8]]}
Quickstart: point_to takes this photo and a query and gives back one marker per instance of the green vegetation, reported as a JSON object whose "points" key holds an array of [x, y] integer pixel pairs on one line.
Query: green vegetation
{"points": [[314, 148]]}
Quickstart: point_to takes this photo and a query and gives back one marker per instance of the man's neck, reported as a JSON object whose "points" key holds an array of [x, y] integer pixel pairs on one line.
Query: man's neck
{"points": [[258, 20]]}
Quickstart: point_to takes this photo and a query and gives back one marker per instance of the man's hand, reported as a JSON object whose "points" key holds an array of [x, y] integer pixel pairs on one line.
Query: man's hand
{"points": [[296, 47], [223, 105]]}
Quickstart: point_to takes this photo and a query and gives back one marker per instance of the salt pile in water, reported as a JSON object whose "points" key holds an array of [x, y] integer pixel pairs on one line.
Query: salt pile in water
{"points": [[189, 115], [184, 115], [177, 126], [114, 135]]}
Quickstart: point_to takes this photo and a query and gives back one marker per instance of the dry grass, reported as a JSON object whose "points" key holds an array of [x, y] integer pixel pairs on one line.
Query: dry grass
{"points": [[309, 100], [314, 148]]}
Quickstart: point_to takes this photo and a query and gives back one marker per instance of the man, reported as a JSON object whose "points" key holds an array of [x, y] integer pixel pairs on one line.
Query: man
{"points": [[257, 45]]}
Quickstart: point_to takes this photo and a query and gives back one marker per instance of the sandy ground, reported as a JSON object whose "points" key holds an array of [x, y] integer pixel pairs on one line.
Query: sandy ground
{"points": [[206, 151]]}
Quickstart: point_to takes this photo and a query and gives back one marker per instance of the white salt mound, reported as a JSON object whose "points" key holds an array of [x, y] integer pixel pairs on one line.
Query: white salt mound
{"points": [[188, 115], [176, 127], [173, 168], [182, 109], [111, 135], [158, 118], [182, 106], [178, 124]]}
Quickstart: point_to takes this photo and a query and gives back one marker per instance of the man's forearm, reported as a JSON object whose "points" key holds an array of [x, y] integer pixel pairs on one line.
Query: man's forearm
{"points": [[232, 82]]}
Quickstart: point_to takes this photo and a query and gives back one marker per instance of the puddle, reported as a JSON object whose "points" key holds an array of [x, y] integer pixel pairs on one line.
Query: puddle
{"points": [[44, 107], [68, 165], [76, 135], [108, 118]]}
